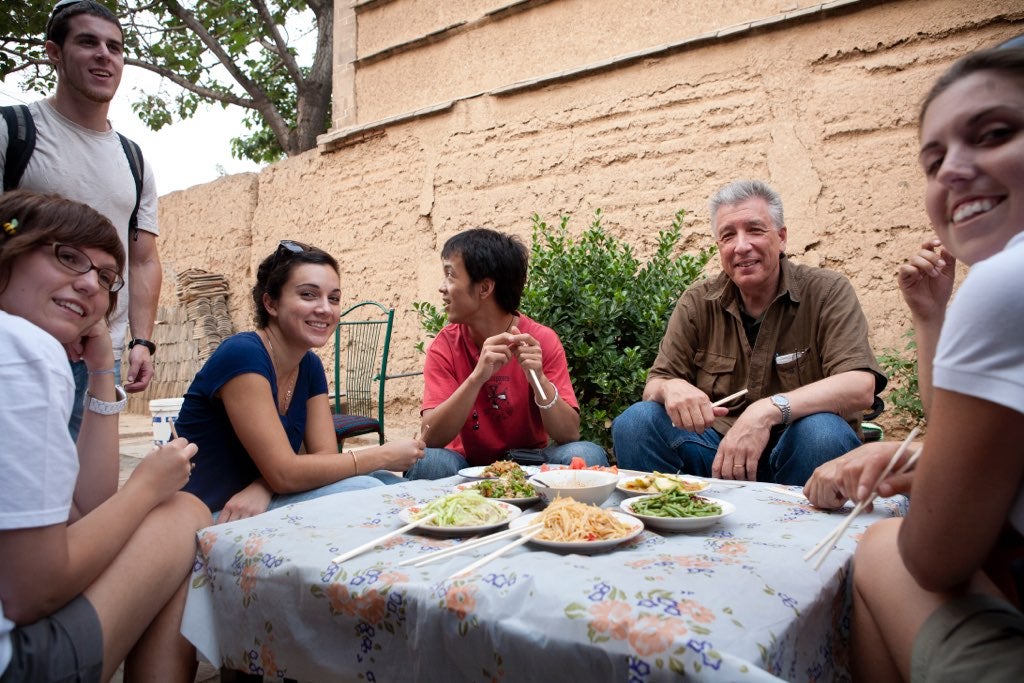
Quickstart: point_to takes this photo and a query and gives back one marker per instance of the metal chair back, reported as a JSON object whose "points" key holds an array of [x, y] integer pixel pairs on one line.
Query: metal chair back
{"points": [[364, 334]]}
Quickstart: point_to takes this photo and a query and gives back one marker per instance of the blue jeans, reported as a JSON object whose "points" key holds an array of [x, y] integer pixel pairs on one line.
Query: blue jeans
{"points": [[439, 463], [357, 483], [81, 374], [644, 439]]}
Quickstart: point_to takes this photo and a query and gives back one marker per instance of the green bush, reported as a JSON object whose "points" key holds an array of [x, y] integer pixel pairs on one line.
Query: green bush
{"points": [[609, 309], [904, 394]]}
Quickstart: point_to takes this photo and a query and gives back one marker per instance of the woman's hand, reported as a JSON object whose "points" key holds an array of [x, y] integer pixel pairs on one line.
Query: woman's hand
{"points": [[926, 280], [165, 469], [853, 475], [396, 456], [253, 500], [94, 347]]}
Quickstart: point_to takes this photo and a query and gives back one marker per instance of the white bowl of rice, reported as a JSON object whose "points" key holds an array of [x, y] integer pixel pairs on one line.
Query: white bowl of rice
{"points": [[586, 486]]}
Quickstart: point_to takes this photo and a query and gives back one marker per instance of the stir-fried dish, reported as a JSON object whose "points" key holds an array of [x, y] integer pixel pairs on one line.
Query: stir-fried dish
{"points": [[676, 503], [659, 483]]}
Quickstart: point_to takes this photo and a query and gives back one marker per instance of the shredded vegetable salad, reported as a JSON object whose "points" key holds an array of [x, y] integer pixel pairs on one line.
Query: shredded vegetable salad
{"points": [[676, 503], [462, 508]]}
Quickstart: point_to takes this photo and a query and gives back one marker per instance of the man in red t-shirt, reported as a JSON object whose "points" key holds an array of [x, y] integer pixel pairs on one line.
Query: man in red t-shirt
{"points": [[496, 384]]}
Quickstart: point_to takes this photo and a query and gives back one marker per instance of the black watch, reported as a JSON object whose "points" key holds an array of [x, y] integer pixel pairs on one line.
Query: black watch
{"points": [[143, 342]]}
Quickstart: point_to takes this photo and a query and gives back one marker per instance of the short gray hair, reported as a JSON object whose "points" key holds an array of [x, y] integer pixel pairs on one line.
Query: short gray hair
{"points": [[742, 190]]}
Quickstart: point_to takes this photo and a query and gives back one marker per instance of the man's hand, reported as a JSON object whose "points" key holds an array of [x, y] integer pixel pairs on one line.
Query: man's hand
{"points": [[495, 352], [926, 280], [741, 449], [688, 407], [140, 369], [253, 500]]}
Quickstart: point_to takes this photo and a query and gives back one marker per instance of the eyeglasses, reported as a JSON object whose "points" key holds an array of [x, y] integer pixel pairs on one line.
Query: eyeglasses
{"points": [[77, 262]]}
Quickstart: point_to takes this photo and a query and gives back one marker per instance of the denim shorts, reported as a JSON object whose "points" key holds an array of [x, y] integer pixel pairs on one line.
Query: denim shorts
{"points": [[65, 646], [972, 638]]}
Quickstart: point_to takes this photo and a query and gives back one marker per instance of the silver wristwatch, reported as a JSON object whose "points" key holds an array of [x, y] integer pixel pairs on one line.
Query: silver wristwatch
{"points": [[782, 403], [108, 407]]}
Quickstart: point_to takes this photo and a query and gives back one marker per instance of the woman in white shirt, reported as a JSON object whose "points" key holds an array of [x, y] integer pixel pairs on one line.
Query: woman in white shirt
{"points": [[935, 597], [90, 574]]}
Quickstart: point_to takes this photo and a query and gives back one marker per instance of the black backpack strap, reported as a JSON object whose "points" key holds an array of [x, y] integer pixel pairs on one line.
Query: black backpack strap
{"points": [[138, 167], [21, 141]]}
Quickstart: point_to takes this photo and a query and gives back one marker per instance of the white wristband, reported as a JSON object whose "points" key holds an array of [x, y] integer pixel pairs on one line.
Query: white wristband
{"points": [[108, 407], [550, 404]]}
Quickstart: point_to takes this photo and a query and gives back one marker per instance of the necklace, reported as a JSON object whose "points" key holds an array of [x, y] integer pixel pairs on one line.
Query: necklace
{"points": [[282, 401], [510, 321]]}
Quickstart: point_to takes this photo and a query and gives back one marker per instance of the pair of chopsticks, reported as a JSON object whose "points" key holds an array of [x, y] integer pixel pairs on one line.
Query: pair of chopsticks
{"points": [[829, 541], [358, 550], [500, 551], [466, 545]]}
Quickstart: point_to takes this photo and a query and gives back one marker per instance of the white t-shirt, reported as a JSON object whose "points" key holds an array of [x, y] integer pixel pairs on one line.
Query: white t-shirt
{"points": [[981, 349], [88, 167], [38, 460]]}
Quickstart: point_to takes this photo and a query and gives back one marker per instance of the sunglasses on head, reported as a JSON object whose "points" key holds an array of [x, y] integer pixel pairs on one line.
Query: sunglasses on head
{"points": [[292, 247]]}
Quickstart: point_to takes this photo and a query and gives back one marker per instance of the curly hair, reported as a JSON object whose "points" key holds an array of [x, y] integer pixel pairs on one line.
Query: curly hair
{"points": [[275, 270]]}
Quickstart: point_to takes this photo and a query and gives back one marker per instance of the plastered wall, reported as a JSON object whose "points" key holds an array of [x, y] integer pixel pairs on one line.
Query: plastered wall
{"points": [[824, 109]]}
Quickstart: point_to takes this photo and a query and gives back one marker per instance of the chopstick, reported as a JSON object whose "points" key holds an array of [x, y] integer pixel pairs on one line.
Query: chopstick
{"points": [[174, 432], [829, 541], [536, 383], [443, 553], [497, 553], [723, 401], [377, 541]]}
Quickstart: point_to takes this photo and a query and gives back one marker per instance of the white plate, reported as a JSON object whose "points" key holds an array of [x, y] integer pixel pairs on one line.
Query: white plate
{"points": [[621, 486], [636, 526], [477, 472], [511, 512], [678, 523], [522, 502]]}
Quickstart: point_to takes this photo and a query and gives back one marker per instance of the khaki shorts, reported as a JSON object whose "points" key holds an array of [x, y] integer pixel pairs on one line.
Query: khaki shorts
{"points": [[973, 638], [65, 646]]}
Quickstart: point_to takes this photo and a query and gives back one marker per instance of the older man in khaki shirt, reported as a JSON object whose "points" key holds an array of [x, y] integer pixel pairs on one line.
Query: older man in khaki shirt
{"points": [[793, 336]]}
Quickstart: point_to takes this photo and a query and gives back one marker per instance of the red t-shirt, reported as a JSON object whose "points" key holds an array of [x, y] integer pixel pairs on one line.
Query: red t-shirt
{"points": [[504, 415]]}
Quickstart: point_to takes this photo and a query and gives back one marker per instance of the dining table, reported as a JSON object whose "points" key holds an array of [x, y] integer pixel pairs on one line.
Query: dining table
{"points": [[731, 602]]}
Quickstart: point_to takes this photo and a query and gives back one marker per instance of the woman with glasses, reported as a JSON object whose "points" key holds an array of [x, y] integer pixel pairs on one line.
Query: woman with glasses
{"points": [[261, 398], [89, 574]]}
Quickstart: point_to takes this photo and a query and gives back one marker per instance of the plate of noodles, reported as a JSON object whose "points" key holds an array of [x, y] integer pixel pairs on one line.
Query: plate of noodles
{"points": [[571, 525], [462, 513], [640, 483], [496, 469], [677, 511]]}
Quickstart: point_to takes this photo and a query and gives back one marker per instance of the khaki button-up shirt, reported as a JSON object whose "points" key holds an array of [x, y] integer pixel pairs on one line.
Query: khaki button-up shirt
{"points": [[814, 328]]}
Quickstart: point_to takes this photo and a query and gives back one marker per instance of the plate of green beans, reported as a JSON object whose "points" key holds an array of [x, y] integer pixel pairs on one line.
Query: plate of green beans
{"points": [[677, 510]]}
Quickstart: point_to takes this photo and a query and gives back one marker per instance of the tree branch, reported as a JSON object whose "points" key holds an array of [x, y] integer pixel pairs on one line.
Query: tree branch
{"points": [[227, 98], [282, 47], [260, 100]]}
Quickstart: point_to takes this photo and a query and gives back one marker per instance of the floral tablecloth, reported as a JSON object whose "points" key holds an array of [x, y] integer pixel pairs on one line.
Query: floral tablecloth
{"points": [[734, 602]]}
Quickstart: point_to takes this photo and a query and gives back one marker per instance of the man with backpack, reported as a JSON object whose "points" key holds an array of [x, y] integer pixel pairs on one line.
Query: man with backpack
{"points": [[65, 145]]}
